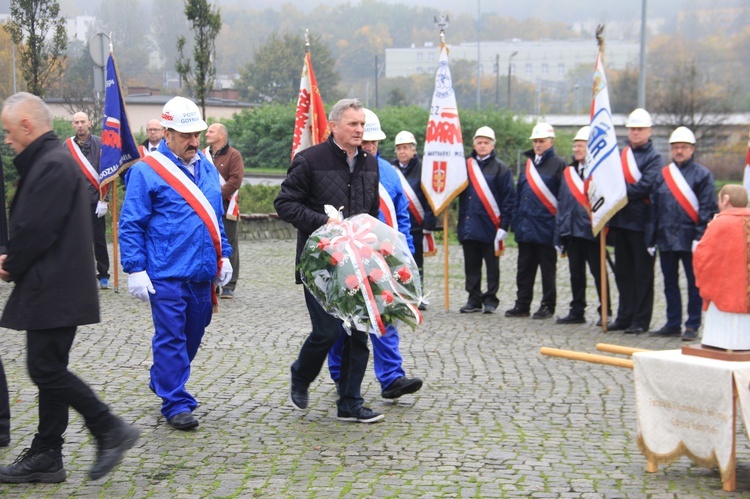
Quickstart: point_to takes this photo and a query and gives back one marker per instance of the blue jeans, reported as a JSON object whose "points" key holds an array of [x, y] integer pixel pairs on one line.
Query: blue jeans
{"points": [[181, 311], [386, 357], [326, 329], [670, 261]]}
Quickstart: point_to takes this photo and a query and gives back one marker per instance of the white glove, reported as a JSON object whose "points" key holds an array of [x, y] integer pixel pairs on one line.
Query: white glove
{"points": [[139, 285], [225, 274], [651, 250], [501, 235], [101, 208], [695, 243]]}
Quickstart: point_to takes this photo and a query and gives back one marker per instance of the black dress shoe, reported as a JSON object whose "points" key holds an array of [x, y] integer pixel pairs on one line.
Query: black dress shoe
{"points": [[517, 312], [667, 331], [422, 306], [489, 309], [402, 386], [690, 334], [298, 397], [183, 421], [112, 446], [470, 308], [571, 319], [635, 330], [617, 326], [544, 312], [34, 466]]}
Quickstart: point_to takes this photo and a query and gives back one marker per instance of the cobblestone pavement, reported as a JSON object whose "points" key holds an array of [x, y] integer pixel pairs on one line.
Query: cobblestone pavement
{"points": [[494, 419]]}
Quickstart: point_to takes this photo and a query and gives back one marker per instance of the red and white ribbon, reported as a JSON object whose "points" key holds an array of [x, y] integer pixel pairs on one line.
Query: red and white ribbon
{"points": [[629, 166], [539, 188], [577, 187], [386, 207], [482, 189], [682, 192]]}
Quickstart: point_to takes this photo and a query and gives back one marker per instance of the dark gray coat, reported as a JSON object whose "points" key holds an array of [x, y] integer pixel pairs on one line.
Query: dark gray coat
{"points": [[49, 250]]}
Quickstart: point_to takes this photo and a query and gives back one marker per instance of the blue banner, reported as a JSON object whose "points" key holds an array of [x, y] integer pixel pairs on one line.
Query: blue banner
{"points": [[119, 149]]}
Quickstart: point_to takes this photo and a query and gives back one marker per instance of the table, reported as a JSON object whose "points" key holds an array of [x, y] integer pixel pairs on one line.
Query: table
{"points": [[686, 406]]}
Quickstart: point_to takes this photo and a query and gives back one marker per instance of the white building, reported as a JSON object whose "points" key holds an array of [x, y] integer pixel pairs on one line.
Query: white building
{"points": [[548, 60]]}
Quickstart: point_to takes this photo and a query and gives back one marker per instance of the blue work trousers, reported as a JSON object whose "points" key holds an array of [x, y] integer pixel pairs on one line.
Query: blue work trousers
{"points": [[670, 261], [181, 311], [386, 357]]}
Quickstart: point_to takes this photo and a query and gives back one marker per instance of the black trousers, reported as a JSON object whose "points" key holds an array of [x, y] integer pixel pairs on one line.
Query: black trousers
{"points": [[418, 236], [47, 360], [4, 405], [634, 275], [230, 228], [100, 245], [476, 252], [581, 252], [530, 257]]}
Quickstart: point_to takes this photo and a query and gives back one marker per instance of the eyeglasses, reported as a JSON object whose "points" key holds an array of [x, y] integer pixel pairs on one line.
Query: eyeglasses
{"points": [[154, 129]]}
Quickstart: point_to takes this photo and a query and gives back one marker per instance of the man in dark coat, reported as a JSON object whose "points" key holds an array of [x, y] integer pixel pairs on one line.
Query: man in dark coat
{"points": [[49, 260], [534, 223], [337, 172]]}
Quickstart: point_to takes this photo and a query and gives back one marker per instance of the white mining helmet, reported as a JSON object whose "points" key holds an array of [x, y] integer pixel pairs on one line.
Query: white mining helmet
{"points": [[372, 127], [405, 137], [182, 115], [682, 135], [583, 134], [485, 131], [639, 118], [542, 131]]}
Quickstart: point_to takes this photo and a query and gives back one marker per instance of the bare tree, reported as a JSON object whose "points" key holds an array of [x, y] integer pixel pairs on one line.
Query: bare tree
{"points": [[39, 33]]}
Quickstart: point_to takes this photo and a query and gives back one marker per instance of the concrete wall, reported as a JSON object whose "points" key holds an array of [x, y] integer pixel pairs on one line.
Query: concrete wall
{"points": [[265, 226]]}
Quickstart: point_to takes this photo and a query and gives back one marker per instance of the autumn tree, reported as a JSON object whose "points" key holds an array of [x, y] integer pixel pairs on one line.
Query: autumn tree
{"points": [[206, 24], [275, 73], [38, 32]]}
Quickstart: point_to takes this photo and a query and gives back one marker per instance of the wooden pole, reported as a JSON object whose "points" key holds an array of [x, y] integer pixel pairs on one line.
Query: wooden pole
{"points": [[603, 278], [115, 239], [447, 299], [587, 357], [606, 347]]}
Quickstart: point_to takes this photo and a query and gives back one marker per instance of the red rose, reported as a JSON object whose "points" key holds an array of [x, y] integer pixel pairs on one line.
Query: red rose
{"points": [[351, 282], [403, 274], [376, 275], [365, 252], [387, 296], [337, 258], [323, 243], [386, 248]]}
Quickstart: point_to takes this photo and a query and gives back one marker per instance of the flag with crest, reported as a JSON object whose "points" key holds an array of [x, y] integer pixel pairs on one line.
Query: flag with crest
{"points": [[310, 123]]}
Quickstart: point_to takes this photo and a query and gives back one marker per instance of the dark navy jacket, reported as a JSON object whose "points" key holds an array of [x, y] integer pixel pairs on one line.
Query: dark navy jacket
{"points": [[474, 223], [532, 221], [573, 220], [413, 175], [671, 229], [634, 215]]}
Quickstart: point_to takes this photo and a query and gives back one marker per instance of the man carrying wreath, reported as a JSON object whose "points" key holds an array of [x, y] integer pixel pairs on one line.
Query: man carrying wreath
{"points": [[337, 172]]}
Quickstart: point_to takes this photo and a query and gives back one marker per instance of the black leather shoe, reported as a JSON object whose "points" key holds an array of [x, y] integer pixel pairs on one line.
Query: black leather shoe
{"points": [[422, 306], [617, 326], [33, 466], [113, 445], [516, 312], [690, 334], [571, 319], [4, 440], [544, 312], [402, 386], [470, 308], [361, 415], [667, 331], [183, 421], [635, 330], [489, 309], [298, 397]]}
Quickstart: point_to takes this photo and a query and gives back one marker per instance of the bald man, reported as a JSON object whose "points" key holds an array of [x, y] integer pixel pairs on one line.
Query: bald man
{"points": [[154, 132], [48, 260], [85, 148]]}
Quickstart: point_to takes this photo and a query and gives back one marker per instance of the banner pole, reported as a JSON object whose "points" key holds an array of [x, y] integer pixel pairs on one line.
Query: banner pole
{"points": [[445, 260], [603, 278], [115, 238]]}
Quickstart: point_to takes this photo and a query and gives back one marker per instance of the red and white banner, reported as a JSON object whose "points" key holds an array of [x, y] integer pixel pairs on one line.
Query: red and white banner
{"points": [[629, 167], [488, 200], [387, 208], [576, 187], [680, 189], [605, 180], [310, 123], [540, 188], [443, 165]]}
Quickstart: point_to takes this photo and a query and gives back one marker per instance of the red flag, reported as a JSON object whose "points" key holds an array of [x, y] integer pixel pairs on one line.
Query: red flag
{"points": [[310, 123]]}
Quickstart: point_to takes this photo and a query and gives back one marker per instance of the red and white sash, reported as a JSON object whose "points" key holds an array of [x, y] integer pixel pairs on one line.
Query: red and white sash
{"points": [[682, 192], [539, 188], [387, 208], [83, 162], [577, 187], [417, 211], [488, 200], [233, 210], [629, 166], [142, 151]]}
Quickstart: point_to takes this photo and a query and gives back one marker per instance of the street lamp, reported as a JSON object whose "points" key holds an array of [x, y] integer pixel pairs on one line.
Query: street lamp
{"points": [[509, 61]]}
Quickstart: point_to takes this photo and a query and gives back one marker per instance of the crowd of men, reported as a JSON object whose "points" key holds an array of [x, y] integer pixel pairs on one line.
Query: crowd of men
{"points": [[178, 242]]}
